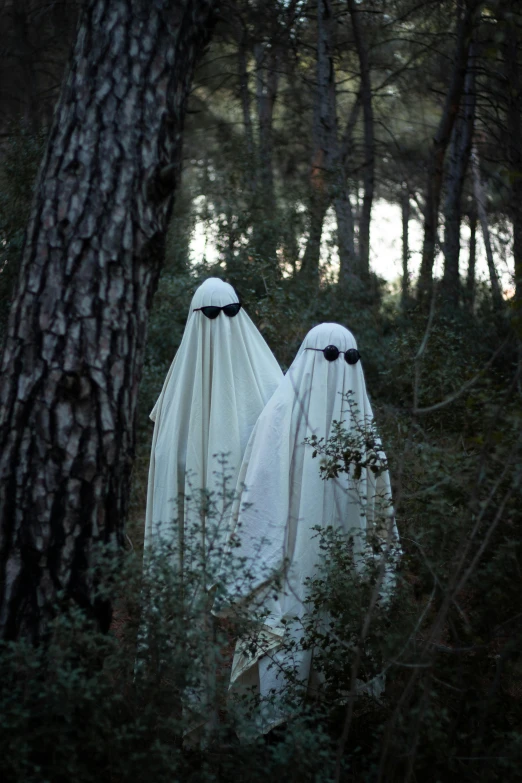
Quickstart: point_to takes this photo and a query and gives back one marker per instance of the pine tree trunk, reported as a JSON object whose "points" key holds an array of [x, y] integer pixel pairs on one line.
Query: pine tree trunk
{"points": [[458, 163], [369, 143], [325, 145], [266, 92], [466, 9], [265, 235], [247, 115], [311, 257], [26, 55], [512, 71], [345, 236], [480, 200], [405, 210], [348, 261], [74, 350], [472, 258]]}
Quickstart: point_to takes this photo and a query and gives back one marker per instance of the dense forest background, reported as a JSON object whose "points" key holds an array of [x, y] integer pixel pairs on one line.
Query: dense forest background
{"points": [[357, 162]]}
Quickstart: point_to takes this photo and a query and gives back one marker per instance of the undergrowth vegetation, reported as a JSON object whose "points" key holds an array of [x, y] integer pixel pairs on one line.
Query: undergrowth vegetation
{"points": [[447, 645]]}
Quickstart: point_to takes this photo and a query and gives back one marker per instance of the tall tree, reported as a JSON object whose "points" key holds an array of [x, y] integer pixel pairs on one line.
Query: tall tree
{"points": [[36, 39], [480, 200], [261, 34], [267, 56], [368, 170], [469, 291], [348, 266], [74, 348], [324, 138], [405, 214], [512, 24], [464, 29], [460, 151]]}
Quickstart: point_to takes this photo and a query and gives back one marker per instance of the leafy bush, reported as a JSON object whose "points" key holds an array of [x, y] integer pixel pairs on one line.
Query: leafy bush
{"points": [[450, 640]]}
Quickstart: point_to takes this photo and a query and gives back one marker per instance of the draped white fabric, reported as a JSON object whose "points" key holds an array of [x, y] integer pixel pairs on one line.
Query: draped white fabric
{"points": [[284, 495], [221, 378]]}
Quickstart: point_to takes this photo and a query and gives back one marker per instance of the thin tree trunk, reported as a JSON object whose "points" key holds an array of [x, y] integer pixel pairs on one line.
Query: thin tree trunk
{"points": [[311, 257], [342, 204], [345, 236], [472, 258], [369, 143], [325, 146], [265, 237], [247, 115], [406, 211], [27, 65], [460, 151], [480, 200], [74, 350], [514, 91], [266, 92], [466, 9]]}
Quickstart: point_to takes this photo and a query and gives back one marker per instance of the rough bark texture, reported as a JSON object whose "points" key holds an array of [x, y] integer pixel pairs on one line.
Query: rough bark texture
{"points": [[460, 151], [480, 200], [368, 171], [466, 9], [72, 360]]}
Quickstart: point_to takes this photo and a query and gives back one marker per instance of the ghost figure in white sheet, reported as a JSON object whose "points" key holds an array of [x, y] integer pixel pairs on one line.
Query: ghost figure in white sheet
{"points": [[220, 380], [284, 497]]}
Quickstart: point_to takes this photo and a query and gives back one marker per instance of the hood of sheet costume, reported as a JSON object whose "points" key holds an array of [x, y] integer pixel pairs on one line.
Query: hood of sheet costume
{"points": [[220, 380], [284, 496]]}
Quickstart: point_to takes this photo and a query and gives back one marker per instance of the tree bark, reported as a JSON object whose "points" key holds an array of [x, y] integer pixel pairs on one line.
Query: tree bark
{"points": [[480, 200], [406, 211], [325, 147], [466, 9], [460, 151], [74, 349], [368, 171], [26, 54], [343, 208], [266, 43], [345, 236], [36, 39], [472, 258], [247, 114], [512, 72], [266, 92], [265, 236]]}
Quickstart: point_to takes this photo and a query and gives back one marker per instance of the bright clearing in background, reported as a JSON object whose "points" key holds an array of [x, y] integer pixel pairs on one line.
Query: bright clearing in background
{"points": [[385, 252]]}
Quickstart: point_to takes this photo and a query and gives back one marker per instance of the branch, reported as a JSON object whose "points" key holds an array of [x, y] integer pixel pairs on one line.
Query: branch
{"points": [[465, 387]]}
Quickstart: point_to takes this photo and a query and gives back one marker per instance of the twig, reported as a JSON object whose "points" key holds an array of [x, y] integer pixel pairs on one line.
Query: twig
{"points": [[466, 386], [422, 349]]}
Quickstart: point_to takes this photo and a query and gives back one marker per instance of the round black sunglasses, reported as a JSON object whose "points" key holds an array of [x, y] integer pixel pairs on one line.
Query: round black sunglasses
{"points": [[212, 311], [331, 353]]}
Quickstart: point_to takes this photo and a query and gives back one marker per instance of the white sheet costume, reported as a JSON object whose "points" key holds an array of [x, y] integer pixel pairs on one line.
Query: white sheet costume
{"points": [[284, 495], [220, 380]]}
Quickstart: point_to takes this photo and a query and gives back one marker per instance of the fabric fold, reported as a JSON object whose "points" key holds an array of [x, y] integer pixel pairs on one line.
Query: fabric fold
{"points": [[217, 385], [284, 496]]}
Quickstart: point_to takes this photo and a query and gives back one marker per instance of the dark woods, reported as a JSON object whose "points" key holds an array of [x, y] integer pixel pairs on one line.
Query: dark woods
{"points": [[299, 120]]}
